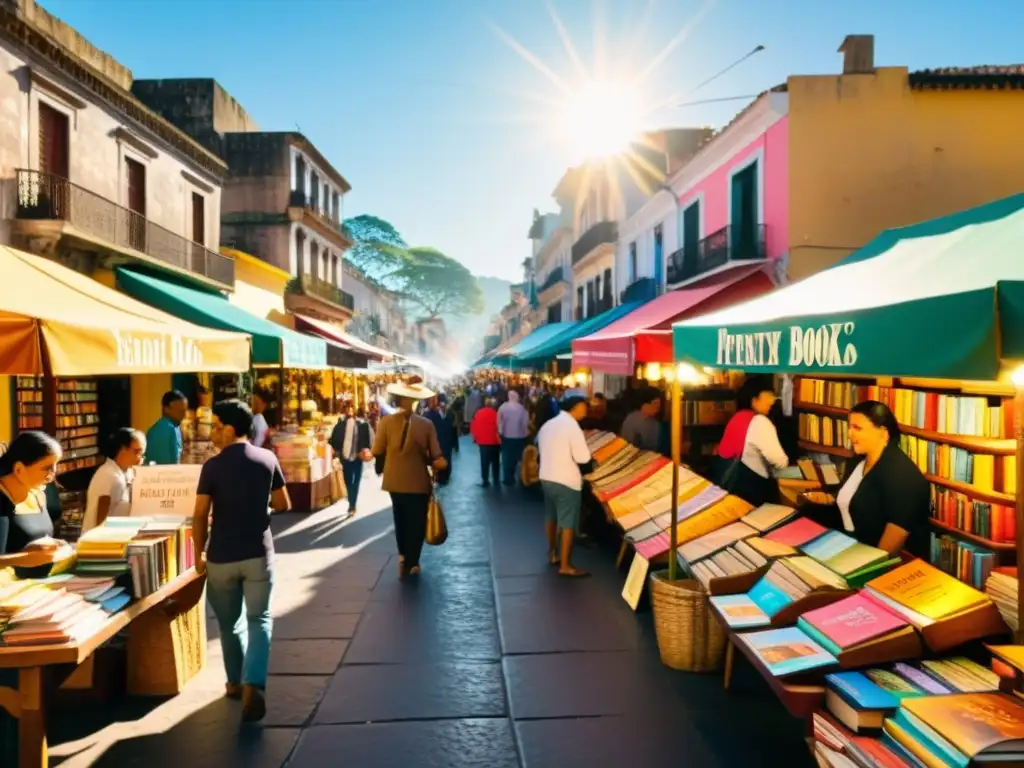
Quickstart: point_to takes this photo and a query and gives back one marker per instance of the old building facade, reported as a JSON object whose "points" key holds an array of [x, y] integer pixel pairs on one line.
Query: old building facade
{"points": [[282, 200], [90, 175]]}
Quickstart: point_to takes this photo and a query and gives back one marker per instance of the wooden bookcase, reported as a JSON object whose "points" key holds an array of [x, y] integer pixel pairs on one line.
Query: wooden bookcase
{"points": [[999, 446]]}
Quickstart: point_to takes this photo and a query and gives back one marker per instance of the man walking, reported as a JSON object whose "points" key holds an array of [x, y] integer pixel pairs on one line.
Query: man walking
{"points": [[513, 427], [163, 440], [241, 483], [351, 439], [484, 430], [563, 448]]}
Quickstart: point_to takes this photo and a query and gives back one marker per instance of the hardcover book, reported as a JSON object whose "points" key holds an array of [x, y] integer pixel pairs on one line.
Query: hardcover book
{"points": [[797, 533], [851, 621], [787, 651], [740, 612]]}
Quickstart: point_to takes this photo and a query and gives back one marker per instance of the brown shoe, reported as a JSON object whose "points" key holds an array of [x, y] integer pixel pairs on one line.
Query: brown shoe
{"points": [[233, 690], [254, 705]]}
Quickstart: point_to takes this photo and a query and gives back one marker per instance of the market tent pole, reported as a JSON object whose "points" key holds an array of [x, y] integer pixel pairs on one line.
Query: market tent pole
{"points": [[677, 440], [1018, 435]]}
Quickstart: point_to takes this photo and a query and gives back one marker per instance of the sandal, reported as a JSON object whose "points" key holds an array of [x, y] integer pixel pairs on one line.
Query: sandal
{"points": [[575, 573], [554, 559]]}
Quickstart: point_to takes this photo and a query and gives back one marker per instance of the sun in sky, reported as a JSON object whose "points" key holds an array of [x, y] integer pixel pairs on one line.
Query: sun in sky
{"points": [[602, 113]]}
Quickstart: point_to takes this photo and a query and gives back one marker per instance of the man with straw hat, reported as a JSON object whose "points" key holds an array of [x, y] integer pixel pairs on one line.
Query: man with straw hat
{"points": [[408, 446]]}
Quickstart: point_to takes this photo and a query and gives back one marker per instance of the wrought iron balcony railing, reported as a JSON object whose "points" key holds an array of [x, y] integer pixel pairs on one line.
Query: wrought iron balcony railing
{"points": [[48, 197], [321, 289], [602, 233], [732, 243], [554, 277], [298, 199], [641, 289]]}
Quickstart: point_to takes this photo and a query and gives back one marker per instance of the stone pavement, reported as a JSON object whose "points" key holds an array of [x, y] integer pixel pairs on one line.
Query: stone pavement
{"points": [[490, 660]]}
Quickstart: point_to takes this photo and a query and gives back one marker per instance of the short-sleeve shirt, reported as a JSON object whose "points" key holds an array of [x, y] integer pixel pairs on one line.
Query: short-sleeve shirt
{"points": [[109, 480], [24, 523], [562, 448], [239, 481], [163, 442]]}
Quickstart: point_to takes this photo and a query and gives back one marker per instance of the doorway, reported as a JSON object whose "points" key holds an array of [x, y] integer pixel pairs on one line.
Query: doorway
{"points": [[743, 237]]}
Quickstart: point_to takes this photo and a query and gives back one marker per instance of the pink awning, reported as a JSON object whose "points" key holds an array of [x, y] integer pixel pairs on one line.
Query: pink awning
{"points": [[333, 333], [645, 334]]}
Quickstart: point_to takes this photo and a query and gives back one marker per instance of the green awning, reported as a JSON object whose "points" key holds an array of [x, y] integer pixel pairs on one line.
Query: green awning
{"points": [[941, 299], [272, 344], [561, 342], [532, 340]]}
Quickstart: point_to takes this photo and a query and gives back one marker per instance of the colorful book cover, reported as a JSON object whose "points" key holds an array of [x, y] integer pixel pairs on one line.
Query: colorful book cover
{"points": [[972, 722], [893, 683], [797, 533], [853, 620], [920, 679], [855, 558], [769, 598], [787, 651], [930, 740], [926, 590], [860, 692], [740, 611], [828, 546]]}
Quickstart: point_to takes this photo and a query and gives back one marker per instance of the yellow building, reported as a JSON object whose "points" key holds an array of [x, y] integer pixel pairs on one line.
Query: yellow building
{"points": [[880, 147], [259, 287]]}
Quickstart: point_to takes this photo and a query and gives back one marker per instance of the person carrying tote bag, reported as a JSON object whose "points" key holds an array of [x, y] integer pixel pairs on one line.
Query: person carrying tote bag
{"points": [[405, 450]]}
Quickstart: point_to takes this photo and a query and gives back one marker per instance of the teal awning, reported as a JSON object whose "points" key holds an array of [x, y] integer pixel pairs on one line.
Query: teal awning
{"points": [[506, 358], [561, 342], [941, 299], [272, 344]]}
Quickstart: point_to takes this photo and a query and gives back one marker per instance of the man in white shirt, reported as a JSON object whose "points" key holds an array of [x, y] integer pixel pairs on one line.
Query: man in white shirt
{"points": [[109, 492], [563, 449]]}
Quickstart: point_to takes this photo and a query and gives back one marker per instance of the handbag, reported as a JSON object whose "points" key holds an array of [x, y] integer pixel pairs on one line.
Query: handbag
{"points": [[437, 527]]}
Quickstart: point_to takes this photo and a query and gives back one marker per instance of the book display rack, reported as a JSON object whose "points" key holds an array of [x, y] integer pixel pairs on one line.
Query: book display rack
{"points": [[66, 408]]}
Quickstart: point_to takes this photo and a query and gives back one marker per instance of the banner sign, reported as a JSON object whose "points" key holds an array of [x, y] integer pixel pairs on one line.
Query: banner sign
{"points": [[165, 490], [825, 346]]}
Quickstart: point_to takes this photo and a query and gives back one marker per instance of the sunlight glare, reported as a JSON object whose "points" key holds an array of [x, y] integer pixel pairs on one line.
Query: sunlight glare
{"points": [[600, 120]]}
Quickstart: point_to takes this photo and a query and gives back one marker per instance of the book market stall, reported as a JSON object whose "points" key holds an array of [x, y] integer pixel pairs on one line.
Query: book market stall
{"points": [[71, 601], [929, 320]]}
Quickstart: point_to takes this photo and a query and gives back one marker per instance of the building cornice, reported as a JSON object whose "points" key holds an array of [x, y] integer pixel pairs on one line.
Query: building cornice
{"points": [[300, 141], [30, 39], [762, 114]]}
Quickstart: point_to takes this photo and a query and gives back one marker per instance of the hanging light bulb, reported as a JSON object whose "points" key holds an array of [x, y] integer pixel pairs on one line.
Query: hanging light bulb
{"points": [[686, 373], [581, 377], [639, 371], [653, 372], [1017, 377], [669, 374]]}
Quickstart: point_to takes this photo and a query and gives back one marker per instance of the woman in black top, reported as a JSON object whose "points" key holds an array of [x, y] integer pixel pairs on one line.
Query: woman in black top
{"points": [[884, 500], [26, 468]]}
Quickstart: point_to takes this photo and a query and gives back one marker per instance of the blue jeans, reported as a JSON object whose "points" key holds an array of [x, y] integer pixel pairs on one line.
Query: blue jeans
{"points": [[245, 641], [352, 471], [511, 454]]}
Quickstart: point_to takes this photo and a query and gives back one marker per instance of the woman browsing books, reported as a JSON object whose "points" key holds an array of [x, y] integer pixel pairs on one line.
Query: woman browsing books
{"points": [[26, 530], [884, 500]]}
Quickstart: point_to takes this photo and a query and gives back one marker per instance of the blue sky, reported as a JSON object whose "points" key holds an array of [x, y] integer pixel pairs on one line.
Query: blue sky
{"points": [[443, 129]]}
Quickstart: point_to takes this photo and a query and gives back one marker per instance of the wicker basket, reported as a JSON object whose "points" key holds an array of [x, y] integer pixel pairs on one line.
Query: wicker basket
{"points": [[689, 638]]}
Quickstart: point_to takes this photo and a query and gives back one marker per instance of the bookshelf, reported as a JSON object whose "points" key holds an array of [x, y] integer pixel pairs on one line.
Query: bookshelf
{"points": [[68, 409], [961, 438]]}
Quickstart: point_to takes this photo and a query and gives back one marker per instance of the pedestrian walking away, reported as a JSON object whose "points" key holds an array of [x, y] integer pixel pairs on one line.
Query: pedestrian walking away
{"points": [[563, 449], [444, 424], [352, 439], [513, 428], [242, 483], [406, 450], [484, 430]]}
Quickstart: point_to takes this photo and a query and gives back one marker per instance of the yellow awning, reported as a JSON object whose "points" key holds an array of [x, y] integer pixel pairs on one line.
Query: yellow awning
{"points": [[88, 329]]}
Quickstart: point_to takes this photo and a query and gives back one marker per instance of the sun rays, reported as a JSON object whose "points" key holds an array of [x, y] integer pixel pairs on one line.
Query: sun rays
{"points": [[600, 111]]}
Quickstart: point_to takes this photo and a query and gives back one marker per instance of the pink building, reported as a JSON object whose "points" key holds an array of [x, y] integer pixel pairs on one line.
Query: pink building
{"points": [[733, 196]]}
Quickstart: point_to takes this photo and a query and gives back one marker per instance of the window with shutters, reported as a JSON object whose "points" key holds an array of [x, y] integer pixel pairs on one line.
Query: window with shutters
{"points": [[136, 173], [53, 141], [198, 218]]}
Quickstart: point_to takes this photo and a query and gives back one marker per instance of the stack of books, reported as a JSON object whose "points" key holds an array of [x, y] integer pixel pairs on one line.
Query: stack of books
{"points": [[857, 630], [769, 516], [787, 581], [924, 595], [731, 561], [1001, 587], [797, 533], [958, 730], [837, 747], [154, 551], [59, 609], [842, 554]]}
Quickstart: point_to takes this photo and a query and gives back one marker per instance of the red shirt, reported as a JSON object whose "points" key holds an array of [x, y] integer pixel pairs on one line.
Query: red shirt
{"points": [[484, 428]]}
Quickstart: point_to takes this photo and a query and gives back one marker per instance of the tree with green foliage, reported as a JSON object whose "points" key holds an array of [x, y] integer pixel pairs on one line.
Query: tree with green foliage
{"points": [[378, 249], [437, 284]]}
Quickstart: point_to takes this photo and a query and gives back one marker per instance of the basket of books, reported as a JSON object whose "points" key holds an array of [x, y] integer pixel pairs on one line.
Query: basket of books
{"points": [[689, 638]]}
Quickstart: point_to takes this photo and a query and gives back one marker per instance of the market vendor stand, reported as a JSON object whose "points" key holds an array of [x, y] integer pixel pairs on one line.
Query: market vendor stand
{"points": [[955, 314], [86, 329], [166, 648]]}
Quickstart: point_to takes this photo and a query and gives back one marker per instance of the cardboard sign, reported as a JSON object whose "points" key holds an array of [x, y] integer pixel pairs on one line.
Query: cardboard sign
{"points": [[165, 490], [636, 580]]}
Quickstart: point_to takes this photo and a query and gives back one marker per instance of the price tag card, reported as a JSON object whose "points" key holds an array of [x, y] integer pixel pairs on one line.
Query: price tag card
{"points": [[165, 490]]}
